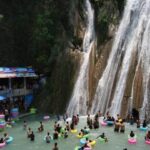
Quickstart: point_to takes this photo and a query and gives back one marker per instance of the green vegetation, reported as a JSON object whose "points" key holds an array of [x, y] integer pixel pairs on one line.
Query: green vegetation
{"points": [[107, 12]]}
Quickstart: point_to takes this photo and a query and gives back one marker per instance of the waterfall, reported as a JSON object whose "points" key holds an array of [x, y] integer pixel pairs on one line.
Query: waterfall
{"points": [[145, 57], [131, 38], [80, 96]]}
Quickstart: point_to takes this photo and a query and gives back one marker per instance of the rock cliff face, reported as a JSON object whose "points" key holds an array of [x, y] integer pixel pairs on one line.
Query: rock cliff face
{"points": [[107, 16], [106, 26]]}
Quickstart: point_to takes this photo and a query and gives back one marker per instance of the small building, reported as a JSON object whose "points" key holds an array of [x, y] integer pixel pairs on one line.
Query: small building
{"points": [[18, 83]]}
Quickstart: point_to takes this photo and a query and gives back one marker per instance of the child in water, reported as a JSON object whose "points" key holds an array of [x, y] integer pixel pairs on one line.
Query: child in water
{"points": [[24, 125]]}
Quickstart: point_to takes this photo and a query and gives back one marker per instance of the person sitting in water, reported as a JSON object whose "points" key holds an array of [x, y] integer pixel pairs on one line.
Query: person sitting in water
{"points": [[29, 132], [109, 118], [48, 137], [85, 131], [6, 136], [112, 118], [87, 140], [103, 137], [117, 126], [1, 140], [81, 132], [86, 145], [147, 137], [55, 135], [144, 124], [122, 127], [32, 136], [132, 135], [55, 146]]}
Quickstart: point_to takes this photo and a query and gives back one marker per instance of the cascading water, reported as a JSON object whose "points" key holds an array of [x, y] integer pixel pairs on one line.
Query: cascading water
{"points": [[131, 39], [145, 59], [80, 96]]}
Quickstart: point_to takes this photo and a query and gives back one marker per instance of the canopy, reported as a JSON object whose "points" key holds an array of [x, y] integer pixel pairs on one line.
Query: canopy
{"points": [[14, 72]]}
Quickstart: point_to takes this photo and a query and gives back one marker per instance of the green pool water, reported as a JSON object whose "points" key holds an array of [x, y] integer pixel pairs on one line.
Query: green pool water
{"points": [[117, 141]]}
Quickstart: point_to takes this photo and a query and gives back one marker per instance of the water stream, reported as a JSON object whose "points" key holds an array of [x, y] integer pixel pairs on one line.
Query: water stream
{"points": [[80, 96]]}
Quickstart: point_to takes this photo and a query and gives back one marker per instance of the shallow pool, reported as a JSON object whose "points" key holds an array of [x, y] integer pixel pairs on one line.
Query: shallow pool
{"points": [[117, 141]]}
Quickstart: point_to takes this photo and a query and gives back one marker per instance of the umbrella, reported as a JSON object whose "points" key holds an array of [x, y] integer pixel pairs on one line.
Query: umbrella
{"points": [[2, 98]]}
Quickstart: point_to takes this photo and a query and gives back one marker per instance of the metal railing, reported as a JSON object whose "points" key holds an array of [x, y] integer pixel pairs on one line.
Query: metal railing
{"points": [[15, 92]]}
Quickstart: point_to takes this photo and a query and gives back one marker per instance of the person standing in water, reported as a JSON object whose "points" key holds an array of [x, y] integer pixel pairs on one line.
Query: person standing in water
{"points": [[122, 127], [117, 126], [48, 137], [144, 124], [24, 125], [29, 132], [41, 128], [32, 136], [88, 120]]}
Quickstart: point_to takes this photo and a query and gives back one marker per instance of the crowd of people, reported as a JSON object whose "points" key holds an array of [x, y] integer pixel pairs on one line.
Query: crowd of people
{"points": [[92, 123], [7, 105], [60, 131]]}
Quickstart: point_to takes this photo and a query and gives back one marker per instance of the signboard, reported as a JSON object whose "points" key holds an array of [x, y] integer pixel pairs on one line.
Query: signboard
{"points": [[13, 72]]}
